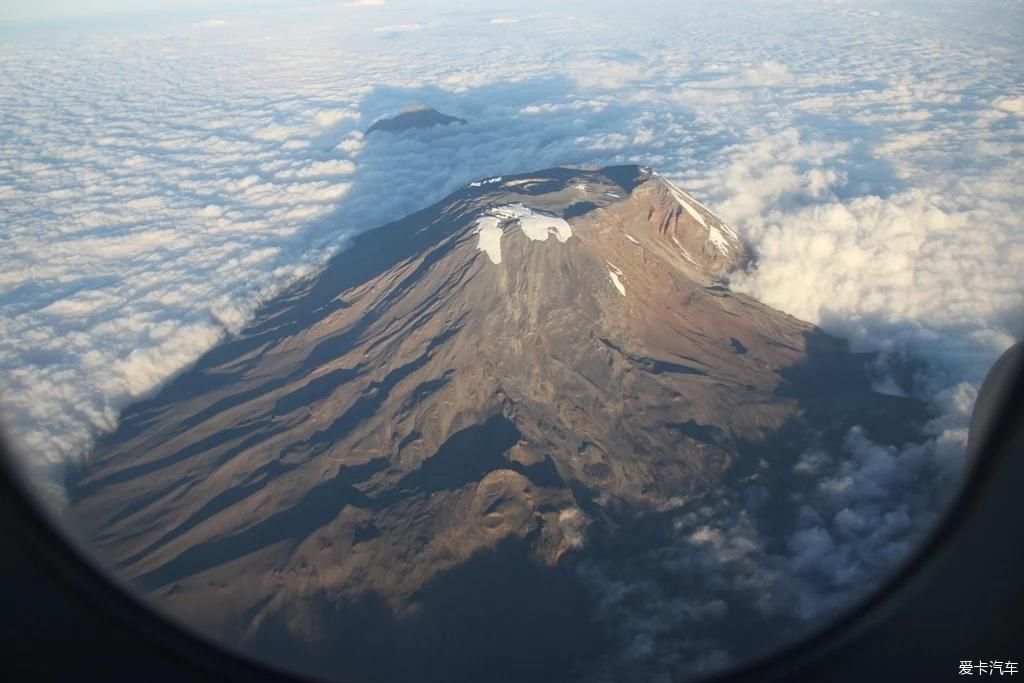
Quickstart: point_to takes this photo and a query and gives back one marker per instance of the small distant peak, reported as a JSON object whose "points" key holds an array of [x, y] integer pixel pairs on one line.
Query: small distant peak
{"points": [[414, 116]]}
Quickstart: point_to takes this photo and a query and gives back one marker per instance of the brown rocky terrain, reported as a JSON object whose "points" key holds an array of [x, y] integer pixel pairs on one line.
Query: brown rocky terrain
{"points": [[392, 471]]}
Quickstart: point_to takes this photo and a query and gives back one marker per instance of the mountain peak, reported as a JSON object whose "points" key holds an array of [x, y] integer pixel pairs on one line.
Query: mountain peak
{"points": [[631, 203], [487, 389], [412, 117]]}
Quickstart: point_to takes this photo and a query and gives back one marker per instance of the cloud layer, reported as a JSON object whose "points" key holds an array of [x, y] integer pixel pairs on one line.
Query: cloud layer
{"points": [[157, 183]]}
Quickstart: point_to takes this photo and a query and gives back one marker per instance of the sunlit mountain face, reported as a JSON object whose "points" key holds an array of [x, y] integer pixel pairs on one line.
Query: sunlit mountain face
{"points": [[469, 420], [392, 341]]}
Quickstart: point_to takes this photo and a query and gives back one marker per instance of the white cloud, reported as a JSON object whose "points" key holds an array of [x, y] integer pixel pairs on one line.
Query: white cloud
{"points": [[399, 28], [332, 117], [210, 23], [1013, 105], [598, 74], [764, 74]]}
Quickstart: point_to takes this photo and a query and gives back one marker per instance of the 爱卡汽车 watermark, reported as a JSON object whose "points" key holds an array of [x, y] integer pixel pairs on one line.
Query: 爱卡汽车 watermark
{"points": [[993, 667]]}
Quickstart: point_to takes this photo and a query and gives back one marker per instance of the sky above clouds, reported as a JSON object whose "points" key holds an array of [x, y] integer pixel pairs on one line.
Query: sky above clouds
{"points": [[50, 10], [162, 174]]}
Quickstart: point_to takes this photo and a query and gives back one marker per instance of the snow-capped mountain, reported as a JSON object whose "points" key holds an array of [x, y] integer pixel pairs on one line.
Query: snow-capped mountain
{"points": [[395, 468]]}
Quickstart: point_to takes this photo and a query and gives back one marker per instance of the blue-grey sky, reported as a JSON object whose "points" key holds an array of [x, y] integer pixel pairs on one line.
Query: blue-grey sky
{"points": [[13, 10]]}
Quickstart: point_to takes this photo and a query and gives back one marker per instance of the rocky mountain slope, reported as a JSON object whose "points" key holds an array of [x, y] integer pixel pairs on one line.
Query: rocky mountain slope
{"points": [[394, 469]]}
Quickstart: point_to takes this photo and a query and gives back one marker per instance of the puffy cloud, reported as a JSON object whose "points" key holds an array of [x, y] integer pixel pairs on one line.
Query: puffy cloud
{"points": [[767, 73], [733, 569], [1013, 105], [399, 28], [210, 23]]}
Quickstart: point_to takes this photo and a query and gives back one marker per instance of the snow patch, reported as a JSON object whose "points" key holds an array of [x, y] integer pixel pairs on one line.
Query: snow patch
{"points": [[486, 181], [719, 234], [536, 226], [525, 181], [614, 274], [617, 282], [681, 198], [489, 230]]}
